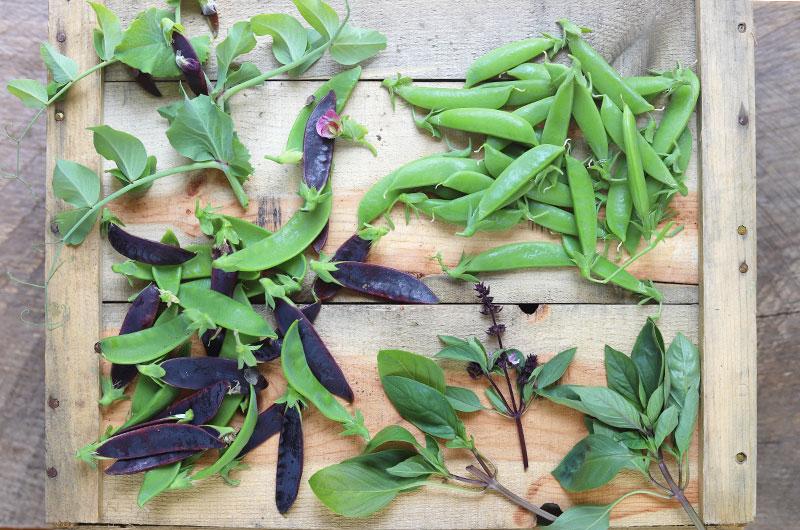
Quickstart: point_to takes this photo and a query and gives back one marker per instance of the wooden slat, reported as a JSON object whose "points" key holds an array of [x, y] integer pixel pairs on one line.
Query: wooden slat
{"points": [[354, 334], [728, 257], [71, 380]]}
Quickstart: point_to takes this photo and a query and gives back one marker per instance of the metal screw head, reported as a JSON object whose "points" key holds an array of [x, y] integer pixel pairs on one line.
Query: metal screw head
{"points": [[61, 36], [59, 115], [743, 268], [52, 472], [742, 230], [741, 27], [741, 458], [53, 403]]}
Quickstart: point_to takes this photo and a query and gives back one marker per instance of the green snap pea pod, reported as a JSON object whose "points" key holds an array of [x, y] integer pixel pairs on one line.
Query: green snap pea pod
{"points": [[632, 238], [619, 206], [342, 84], [148, 344], [583, 205], [441, 98], [557, 194], [148, 401], [197, 267], [524, 91], [604, 77], [224, 311], [686, 145], [651, 85], [534, 113], [168, 277], [291, 239], [557, 72], [516, 177], [587, 116], [457, 211], [651, 162], [466, 181], [430, 172], [681, 105], [157, 481], [441, 192], [514, 256], [530, 71], [556, 126], [557, 220], [230, 404], [495, 160], [228, 349], [490, 122], [249, 233], [506, 57], [377, 200], [636, 182]]}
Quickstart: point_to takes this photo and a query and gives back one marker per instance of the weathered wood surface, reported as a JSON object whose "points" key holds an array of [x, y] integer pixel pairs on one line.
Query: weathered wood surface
{"points": [[350, 332]]}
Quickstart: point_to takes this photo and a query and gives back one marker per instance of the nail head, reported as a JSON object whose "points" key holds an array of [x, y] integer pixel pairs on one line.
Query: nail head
{"points": [[59, 115], [61, 36], [741, 458], [52, 472], [741, 27], [743, 268], [742, 230], [53, 403]]}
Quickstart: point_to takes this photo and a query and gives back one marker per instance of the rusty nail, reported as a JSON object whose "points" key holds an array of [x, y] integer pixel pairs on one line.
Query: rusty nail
{"points": [[743, 268], [53, 403], [61, 36], [741, 27], [743, 119], [51, 472], [741, 458], [59, 115], [742, 230]]}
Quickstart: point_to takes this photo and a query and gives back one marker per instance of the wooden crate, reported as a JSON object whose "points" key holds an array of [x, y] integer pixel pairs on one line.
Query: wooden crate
{"points": [[707, 273]]}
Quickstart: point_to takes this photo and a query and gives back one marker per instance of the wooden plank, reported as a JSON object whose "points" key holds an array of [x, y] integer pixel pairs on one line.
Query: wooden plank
{"points": [[160, 527], [728, 260], [438, 40], [73, 295], [350, 332]]}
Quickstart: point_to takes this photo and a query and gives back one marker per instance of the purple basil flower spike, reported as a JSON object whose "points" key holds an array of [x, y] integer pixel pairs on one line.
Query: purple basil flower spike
{"points": [[329, 125]]}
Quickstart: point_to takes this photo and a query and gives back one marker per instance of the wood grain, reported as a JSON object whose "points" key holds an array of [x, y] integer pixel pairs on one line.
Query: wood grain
{"points": [[728, 260]]}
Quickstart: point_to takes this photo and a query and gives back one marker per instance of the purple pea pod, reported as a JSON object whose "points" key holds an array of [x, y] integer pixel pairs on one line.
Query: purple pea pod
{"points": [[224, 283], [269, 351], [204, 403], [141, 314], [322, 238], [146, 250], [354, 249], [159, 439], [318, 149], [383, 282], [137, 465], [311, 311], [209, 10], [319, 359], [268, 424], [189, 63], [195, 373], [290, 460], [145, 81]]}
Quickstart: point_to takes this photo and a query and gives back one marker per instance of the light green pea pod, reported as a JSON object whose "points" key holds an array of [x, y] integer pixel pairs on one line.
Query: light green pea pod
{"points": [[148, 344], [514, 256], [441, 98], [466, 181], [495, 160], [636, 182], [583, 205], [619, 206], [430, 171], [556, 194], [534, 113], [524, 91], [490, 122], [157, 481], [587, 116], [168, 277], [224, 311], [529, 71], [680, 108], [506, 57], [556, 126]]}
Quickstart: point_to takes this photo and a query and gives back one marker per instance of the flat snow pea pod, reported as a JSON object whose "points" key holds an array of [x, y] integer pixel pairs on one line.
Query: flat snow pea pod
{"points": [[377, 200], [534, 113], [557, 194], [230, 404], [146, 250], [430, 171], [342, 84], [466, 182], [139, 465], [527, 255], [268, 424], [651, 162], [587, 116], [205, 403], [141, 315], [158, 439], [529, 71], [148, 344], [383, 282], [652, 85], [506, 57], [290, 460], [317, 149], [555, 219], [194, 373], [682, 103], [456, 211], [157, 481], [290, 240], [525, 91], [604, 77], [491, 122], [495, 160], [249, 233], [355, 248], [633, 238], [441, 98], [223, 283], [583, 205], [516, 177], [619, 206], [224, 311], [556, 126], [318, 357], [636, 182]]}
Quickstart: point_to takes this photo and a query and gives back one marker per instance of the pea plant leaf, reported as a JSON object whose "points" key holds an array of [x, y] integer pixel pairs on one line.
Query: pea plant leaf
{"points": [[66, 220], [109, 34], [240, 40], [354, 45], [321, 16], [244, 72], [423, 406], [412, 366], [32, 93], [289, 37], [62, 68], [683, 365], [621, 374], [554, 369], [462, 399], [123, 149], [648, 356], [315, 40], [593, 462], [75, 184]]}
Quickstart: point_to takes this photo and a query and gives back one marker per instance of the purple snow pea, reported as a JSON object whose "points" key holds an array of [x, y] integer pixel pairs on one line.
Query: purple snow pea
{"points": [[271, 348], [311, 311], [141, 314], [204, 403], [146, 250], [209, 10], [224, 283], [354, 249], [318, 149], [290, 460], [145, 81], [268, 424], [195, 373], [137, 465], [319, 359], [383, 282], [189, 63], [159, 439], [322, 238]]}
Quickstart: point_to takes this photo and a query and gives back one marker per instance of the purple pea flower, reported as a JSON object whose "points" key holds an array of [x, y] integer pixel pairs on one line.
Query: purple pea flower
{"points": [[329, 125]]}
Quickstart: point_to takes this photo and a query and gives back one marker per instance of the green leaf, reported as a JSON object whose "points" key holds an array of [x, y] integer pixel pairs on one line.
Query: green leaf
{"points": [[683, 365], [564, 395], [62, 68], [554, 369], [354, 45], [361, 486], [496, 401], [201, 131], [415, 466], [463, 399], [108, 37], [655, 404], [68, 218], [144, 47], [608, 406], [75, 184], [462, 351], [621, 374], [123, 149], [593, 462], [240, 40], [289, 37], [32, 93], [423, 406], [157, 481], [687, 420], [391, 434], [412, 366], [587, 517], [315, 40], [648, 356], [319, 15], [245, 72], [666, 423]]}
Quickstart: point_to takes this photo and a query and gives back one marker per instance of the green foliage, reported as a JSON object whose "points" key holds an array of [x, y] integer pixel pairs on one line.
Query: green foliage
{"points": [[109, 33], [124, 149], [593, 462], [354, 45], [240, 40], [31, 93], [462, 399], [75, 184], [289, 37], [62, 68]]}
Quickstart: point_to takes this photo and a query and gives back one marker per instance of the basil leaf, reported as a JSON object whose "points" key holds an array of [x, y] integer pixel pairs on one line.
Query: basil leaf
{"points": [[31, 93], [683, 364], [593, 462], [608, 406], [321, 16], [412, 366], [123, 149], [415, 466], [554, 369], [61, 67], [144, 47], [648, 356], [426, 408], [240, 40], [586, 517], [75, 184], [621, 374], [289, 37], [361, 486], [496, 401], [666, 423], [354, 45], [655, 405], [687, 420], [564, 395], [463, 399], [390, 434], [109, 35], [463, 352], [68, 218]]}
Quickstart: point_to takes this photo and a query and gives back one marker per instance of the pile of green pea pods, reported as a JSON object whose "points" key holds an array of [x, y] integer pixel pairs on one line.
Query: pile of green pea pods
{"points": [[603, 180]]}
